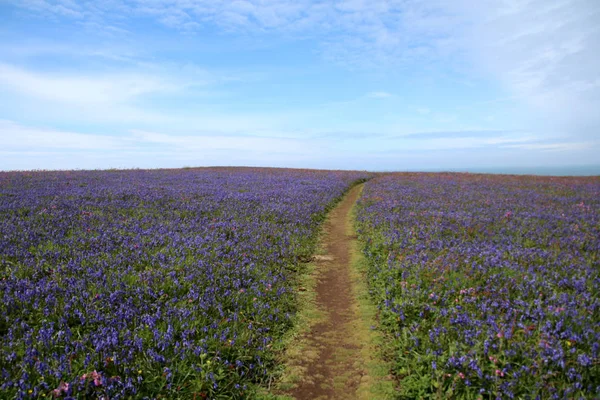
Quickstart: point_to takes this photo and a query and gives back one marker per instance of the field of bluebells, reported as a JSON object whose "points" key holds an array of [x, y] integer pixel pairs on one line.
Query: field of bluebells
{"points": [[152, 283], [488, 286]]}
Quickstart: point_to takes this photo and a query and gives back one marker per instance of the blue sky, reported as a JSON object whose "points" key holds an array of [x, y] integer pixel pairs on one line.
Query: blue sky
{"points": [[351, 84]]}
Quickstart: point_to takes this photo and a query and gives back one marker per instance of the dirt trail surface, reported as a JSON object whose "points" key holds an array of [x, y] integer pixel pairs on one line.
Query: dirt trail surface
{"points": [[337, 367]]}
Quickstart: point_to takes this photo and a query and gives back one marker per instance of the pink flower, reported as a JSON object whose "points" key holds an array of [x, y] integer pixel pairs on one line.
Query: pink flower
{"points": [[63, 387], [499, 372], [461, 375], [97, 378]]}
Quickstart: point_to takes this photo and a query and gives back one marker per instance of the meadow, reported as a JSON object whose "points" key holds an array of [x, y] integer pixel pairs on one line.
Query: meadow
{"points": [[152, 283], [488, 286], [180, 284]]}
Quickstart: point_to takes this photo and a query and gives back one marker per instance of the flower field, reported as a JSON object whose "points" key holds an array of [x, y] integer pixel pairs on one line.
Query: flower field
{"points": [[152, 283], [488, 286]]}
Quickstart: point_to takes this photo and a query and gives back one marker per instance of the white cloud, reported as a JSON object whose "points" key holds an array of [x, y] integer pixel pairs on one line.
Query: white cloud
{"points": [[31, 147], [370, 33], [66, 8], [455, 143], [559, 147], [80, 89], [18, 137], [547, 54], [379, 95], [21, 138], [193, 143], [145, 95]]}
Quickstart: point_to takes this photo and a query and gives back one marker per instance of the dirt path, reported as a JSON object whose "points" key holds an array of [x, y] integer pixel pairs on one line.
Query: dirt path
{"points": [[337, 365]]}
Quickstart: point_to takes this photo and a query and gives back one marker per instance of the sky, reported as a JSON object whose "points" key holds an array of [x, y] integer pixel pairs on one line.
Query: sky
{"points": [[335, 84]]}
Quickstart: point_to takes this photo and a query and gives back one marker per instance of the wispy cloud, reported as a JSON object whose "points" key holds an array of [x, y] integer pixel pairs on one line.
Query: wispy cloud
{"points": [[546, 53], [356, 33], [69, 87], [67, 8], [379, 95], [455, 134], [26, 146], [18, 137], [556, 147], [347, 135], [30, 147], [205, 142], [148, 94]]}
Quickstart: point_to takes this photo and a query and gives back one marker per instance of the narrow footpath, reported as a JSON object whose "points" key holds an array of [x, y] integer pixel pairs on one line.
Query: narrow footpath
{"points": [[337, 354]]}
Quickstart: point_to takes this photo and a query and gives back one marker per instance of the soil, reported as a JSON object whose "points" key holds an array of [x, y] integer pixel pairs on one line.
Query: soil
{"points": [[336, 369]]}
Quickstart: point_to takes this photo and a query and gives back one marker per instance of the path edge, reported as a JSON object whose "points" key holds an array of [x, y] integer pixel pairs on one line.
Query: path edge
{"points": [[293, 344], [378, 382]]}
